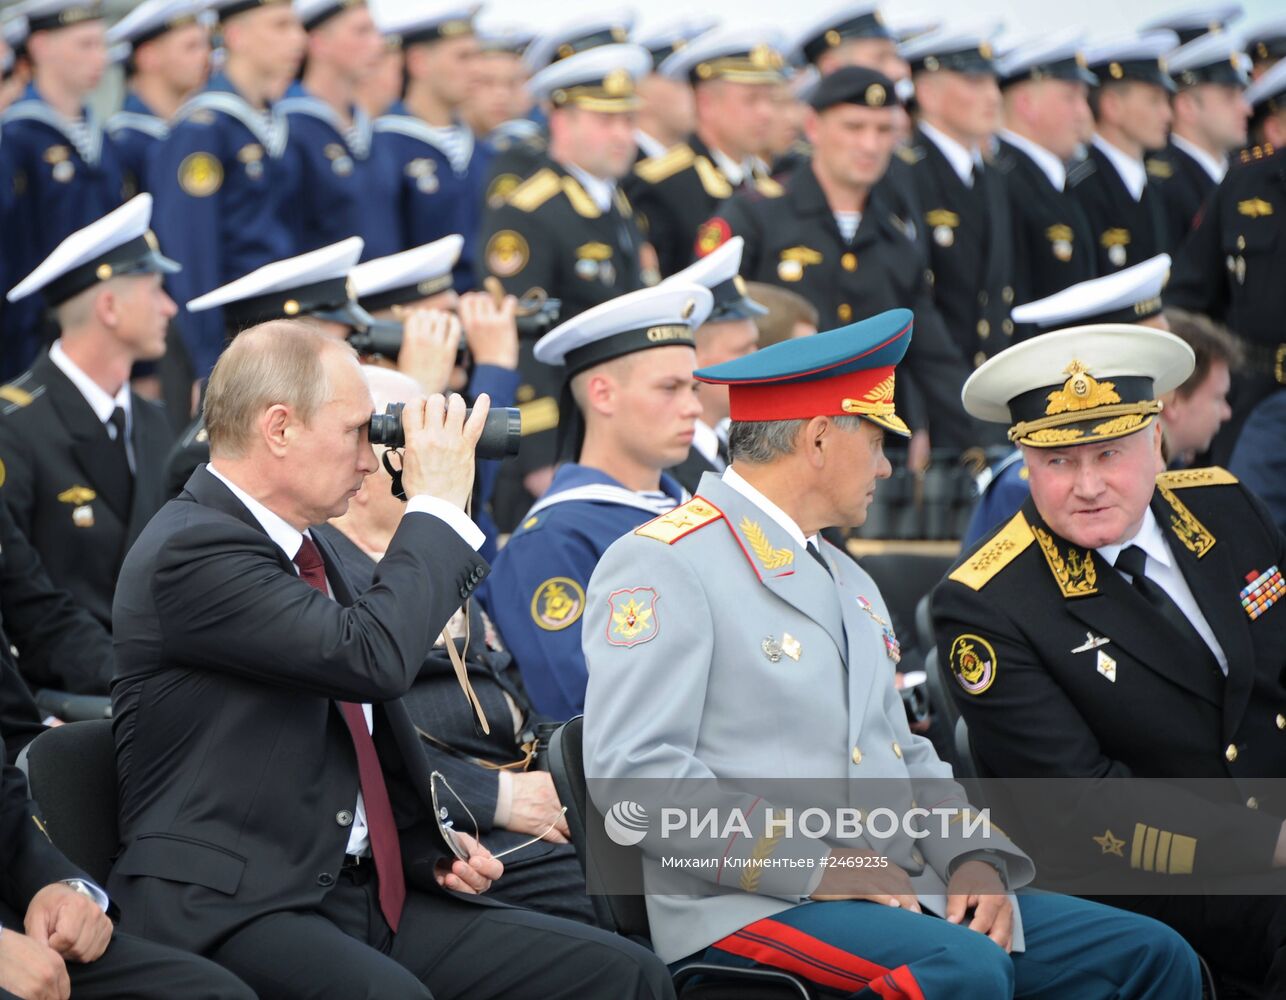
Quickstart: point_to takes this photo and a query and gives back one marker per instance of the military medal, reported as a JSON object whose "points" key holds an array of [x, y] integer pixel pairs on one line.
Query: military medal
{"points": [[1092, 641], [944, 236], [1106, 666], [891, 644], [64, 171], [83, 516], [1262, 591], [772, 649], [1116, 254]]}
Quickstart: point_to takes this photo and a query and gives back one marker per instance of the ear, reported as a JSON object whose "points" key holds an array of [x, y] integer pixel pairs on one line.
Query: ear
{"points": [[811, 122], [106, 308], [277, 426], [600, 393], [815, 439]]}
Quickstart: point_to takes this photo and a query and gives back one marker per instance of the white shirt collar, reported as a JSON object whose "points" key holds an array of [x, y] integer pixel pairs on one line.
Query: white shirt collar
{"points": [[1133, 173], [706, 441], [735, 481], [730, 168], [649, 145], [1216, 168], [1148, 538], [596, 187], [1051, 166], [103, 404], [286, 536], [962, 160]]}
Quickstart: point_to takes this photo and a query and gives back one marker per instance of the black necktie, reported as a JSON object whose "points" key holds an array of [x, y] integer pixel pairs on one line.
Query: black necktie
{"points": [[816, 553], [117, 420], [1133, 560]]}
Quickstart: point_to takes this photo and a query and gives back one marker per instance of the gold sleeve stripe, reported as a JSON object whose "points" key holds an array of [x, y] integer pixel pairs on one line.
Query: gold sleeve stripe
{"points": [[1136, 846], [1155, 850]]}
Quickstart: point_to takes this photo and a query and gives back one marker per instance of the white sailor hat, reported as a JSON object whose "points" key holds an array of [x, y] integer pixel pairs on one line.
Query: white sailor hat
{"points": [[904, 25], [416, 21], [314, 13], [1213, 58], [1079, 385], [15, 30], [667, 40], [1057, 57], [845, 22], [1266, 39], [1266, 93], [315, 284], [510, 38], [1133, 57], [578, 35], [151, 19], [120, 243], [600, 79], [718, 271], [407, 276], [1193, 22], [224, 9], [45, 15], [742, 55], [1126, 296], [961, 50], [663, 316]]}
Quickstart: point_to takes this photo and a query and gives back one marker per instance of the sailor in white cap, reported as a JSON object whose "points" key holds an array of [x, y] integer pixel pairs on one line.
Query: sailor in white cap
{"points": [[499, 93], [1191, 23], [729, 332], [1156, 654], [851, 34], [733, 72], [166, 59], [1210, 114], [628, 365], [222, 179], [1132, 295], [82, 453], [439, 165], [1131, 106], [1044, 84], [1267, 100], [54, 142], [1265, 43], [341, 188], [667, 114]]}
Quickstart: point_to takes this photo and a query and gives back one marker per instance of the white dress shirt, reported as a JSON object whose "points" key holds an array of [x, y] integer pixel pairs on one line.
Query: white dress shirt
{"points": [[1133, 173], [730, 168], [649, 145], [99, 399], [962, 160], [1215, 167], [289, 539], [1162, 571], [599, 190], [1050, 165], [734, 480]]}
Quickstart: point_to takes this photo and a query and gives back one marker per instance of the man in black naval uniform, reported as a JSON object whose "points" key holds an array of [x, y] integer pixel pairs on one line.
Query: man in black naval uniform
{"points": [[1131, 116], [568, 230], [83, 454], [733, 73], [1124, 625], [1232, 264], [1044, 86], [1210, 116], [830, 238], [966, 204]]}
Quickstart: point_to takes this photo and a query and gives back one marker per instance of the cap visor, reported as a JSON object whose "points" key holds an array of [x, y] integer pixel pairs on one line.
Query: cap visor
{"points": [[892, 423], [349, 314], [741, 309]]}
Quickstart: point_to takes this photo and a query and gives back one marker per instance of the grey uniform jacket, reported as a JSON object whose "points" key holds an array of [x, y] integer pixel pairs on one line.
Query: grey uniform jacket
{"points": [[718, 648]]}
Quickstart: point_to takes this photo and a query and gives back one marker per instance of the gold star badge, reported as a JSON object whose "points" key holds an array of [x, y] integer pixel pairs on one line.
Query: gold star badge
{"points": [[1111, 844]]}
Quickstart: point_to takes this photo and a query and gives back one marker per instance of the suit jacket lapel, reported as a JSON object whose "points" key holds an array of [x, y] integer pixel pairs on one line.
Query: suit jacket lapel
{"points": [[90, 445], [208, 491], [1222, 608], [146, 442]]}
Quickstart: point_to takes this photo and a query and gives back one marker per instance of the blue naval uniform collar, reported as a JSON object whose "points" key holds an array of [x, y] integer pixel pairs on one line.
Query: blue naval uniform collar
{"points": [[572, 475], [300, 100], [84, 134], [137, 105]]}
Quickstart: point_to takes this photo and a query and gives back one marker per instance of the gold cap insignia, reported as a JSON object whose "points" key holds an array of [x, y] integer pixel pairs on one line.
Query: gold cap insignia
{"points": [[1081, 391], [618, 83], [876, 96], [290, 307], [104, 272], [689, 308]]}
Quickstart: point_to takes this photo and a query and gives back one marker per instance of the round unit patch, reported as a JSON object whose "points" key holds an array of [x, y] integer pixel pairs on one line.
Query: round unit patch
{"points": [[507, 253], [557, 604], [973, 661], [200, 175]]}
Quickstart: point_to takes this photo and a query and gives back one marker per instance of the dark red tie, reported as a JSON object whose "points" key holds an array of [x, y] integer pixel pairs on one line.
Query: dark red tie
{"points": [[379, 811]]}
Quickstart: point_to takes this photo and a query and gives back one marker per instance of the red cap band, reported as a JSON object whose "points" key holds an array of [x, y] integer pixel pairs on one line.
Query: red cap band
{"points": [[863, 392]]}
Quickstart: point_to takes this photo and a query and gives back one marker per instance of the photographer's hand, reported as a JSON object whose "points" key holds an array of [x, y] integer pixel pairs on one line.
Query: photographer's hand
{"points": [[430, 342], [490, 329], [438, 459]]}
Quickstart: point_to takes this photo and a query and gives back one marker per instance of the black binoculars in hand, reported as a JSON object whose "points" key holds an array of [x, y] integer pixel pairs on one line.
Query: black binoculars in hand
{"points": [[501, 434]]}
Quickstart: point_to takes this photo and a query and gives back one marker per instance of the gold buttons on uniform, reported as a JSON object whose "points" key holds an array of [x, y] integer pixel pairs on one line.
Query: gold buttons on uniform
{"points": [[857, 755], [979, 358], [848, 262], [984, 329], [1008, 327], [1007, 294], [1252, 803], [1241, 243], [844, 312], [897, 750], [1281, 721], [1231, 753], [982, 298]]}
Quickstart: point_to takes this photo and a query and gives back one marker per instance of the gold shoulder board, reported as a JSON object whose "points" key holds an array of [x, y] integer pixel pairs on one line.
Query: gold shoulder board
{"points": [[1178, 479], [655, 169], [712, 179], [683, 520], [769, 188], [12, 394], [1005, 546], [535, 191]]}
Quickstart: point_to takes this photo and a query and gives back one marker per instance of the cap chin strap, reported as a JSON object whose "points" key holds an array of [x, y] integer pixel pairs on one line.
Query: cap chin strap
{"points": [[1026, 428]]}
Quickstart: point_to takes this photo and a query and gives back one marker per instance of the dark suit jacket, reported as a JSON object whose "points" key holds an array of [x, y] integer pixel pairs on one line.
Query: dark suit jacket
{"points": [[1043, 709], [238, 776], [1184, 186], [58, 460], [1126, 232]]}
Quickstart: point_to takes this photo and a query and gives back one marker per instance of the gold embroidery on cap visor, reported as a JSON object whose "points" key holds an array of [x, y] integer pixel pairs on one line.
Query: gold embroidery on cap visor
{"points": [[1083, 411], [876, 405], [614, 93], [762, 64]]}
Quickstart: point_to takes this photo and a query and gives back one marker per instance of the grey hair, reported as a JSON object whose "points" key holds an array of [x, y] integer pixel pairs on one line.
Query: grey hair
{"points": [[760, 441]]}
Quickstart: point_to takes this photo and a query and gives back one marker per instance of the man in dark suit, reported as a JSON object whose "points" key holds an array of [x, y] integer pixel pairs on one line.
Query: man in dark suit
{"points": [[82, 453], [276, 808], [1124, 625]]}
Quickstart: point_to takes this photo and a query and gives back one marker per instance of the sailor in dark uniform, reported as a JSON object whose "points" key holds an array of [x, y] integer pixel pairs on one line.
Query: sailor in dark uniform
{"points": [[1043, 85], [166, 56], [732, 72], [1131, 109], [1210, 116], [83, 454], [58, 166], [1265, 44], [667, 113], [1127, 625]]}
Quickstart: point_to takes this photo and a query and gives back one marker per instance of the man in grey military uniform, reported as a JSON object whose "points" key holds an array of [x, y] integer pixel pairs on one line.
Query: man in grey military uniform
{"points": [[725, 641]]}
